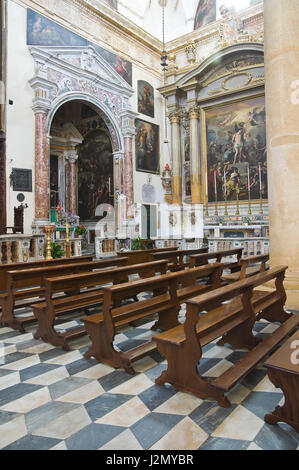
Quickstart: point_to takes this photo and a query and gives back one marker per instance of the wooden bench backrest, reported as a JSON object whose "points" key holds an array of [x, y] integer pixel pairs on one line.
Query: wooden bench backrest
{"points": [[4, 268], [209, 301], [35, 276], [164, 280], [250, 260], [202, 259], [66, 283], [142, 256]]}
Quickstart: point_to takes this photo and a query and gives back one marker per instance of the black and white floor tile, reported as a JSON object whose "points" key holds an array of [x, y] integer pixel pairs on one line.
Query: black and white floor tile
{"points": [[56, 400]]}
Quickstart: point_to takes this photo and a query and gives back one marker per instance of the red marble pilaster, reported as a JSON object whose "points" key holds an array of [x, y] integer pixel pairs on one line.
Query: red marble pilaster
{"points": [[72, 186], [41, 168], [129, 176]]}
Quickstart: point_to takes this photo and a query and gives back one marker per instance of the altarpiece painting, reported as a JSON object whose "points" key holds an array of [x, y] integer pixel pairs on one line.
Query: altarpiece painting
{"points": [[235, 150]]}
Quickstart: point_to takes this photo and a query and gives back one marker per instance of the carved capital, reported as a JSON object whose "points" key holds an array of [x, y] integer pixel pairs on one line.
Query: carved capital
{"points": [[194, 112], [71, 155], [175, 116]]}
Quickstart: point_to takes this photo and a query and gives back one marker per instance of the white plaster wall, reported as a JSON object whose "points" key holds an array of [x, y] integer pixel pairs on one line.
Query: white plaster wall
{"points": [[141, 178], [20, 116]]}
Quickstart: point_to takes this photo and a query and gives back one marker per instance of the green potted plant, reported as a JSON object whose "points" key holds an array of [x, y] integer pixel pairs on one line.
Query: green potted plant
{"points": [[80, 230], [56, 251], [136, 244]]}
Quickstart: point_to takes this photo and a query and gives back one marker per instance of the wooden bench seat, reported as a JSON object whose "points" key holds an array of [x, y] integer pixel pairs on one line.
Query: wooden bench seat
{"points": [[228, 312], [26, 286], [84, 291], [249, 267], [169, 292], [178, 259]]}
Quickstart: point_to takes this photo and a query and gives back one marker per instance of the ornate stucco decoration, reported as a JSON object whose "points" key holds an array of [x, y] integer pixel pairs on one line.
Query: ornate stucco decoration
{"points": [[244, 79], [190, 50], [63, 73], [231, 30]]}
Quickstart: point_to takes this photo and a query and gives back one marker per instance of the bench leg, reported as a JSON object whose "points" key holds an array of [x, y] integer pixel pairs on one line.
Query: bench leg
{"points": [[240, 337], [167, 320], [275, 313], [101, 348], [46, 331], [289, 412], [8, 318], [183, 375]]}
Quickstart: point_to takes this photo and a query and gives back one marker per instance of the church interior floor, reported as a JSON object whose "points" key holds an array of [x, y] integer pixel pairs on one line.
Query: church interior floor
{"points": [[53, 399]]}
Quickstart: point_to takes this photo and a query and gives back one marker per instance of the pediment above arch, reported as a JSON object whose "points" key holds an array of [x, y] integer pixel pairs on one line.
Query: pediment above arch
{"points": [[76, 61], [230, 69]]}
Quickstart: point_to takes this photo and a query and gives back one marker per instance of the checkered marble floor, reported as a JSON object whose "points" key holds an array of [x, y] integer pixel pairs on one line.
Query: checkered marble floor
{"points": [[52, 399]]}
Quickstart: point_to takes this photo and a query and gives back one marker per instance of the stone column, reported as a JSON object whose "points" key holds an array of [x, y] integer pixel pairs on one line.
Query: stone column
{"points": [[282, 107], [175, 119], [128, 129], [195, 156], [129, 174], [41, 168], [72, 157]]}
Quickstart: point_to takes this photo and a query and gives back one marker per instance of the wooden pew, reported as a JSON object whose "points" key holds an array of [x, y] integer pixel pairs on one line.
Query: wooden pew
{"points": [[208, 318], [169, 292], [4, 268], [248, 268], [25, 287], [283, 371], [202, 259], [84, 291], [176, 258], [142, 256]]}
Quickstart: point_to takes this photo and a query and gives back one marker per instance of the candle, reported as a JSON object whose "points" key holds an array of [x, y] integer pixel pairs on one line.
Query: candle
{"points": [[248, 173], [215, 182], [109, 186], [67, 232], [260, 174], [224, 182]]}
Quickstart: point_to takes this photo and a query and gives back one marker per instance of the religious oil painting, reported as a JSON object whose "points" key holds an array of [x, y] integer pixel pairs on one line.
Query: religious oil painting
{"points": [[236, 152], [146, 99], [95, 174], [205, 13], [147, 147]]}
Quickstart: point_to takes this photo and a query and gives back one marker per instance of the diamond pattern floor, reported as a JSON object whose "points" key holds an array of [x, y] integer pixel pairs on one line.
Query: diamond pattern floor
{"points": [[52, 399]]}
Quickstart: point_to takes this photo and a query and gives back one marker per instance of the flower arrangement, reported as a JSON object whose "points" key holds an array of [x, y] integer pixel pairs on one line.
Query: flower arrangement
{"points": [[80, 230]]}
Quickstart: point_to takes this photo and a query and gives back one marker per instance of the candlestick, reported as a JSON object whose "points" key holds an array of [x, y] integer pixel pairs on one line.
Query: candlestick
{"points": [[261, 196], [216, 197], [260, 176], [249, 195], [237, 193], [225, 194]]}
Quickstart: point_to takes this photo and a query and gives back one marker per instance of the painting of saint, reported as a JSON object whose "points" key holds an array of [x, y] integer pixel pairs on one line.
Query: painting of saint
{"points": [[95, 173], [44, 32], [147, 147], [205, 13], [236, 150], [146, 98], [122, 66]]}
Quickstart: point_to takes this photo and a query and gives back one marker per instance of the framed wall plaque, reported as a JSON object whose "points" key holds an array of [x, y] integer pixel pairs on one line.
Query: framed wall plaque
{"points": [[21, 180]]}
